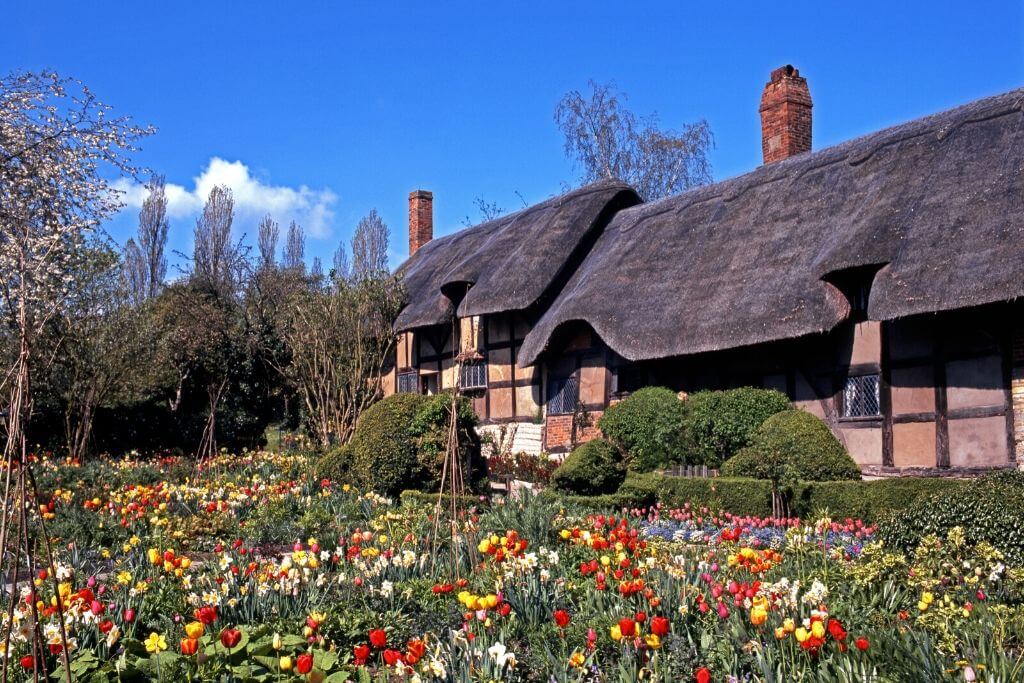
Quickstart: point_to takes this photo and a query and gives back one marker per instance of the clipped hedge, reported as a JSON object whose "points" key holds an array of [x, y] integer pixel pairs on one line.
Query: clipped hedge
{"points": [[335, 463], [866, 500], [593, 468], [989, 508], [430, 429], [720, 423], [384, 455], [411, 497], [647, 427], [796, 443]]}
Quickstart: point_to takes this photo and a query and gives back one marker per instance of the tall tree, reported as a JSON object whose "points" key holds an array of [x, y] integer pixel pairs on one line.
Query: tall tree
{"points": [[59, 150], [370, 247], [153, 228], [217, 262], [294, 248], [607, 140], [268, 234], [338, 334], [339, 265]]}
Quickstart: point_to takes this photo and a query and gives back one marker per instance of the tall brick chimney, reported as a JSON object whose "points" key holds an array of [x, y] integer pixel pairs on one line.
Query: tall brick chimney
{"points": [[421, 219], [785, 115]]}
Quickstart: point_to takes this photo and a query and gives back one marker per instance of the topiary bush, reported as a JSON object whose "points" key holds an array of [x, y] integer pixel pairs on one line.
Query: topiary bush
{"points": [[719, 423], [647, 427], [431, 427], [793, 445], [989, 508], [592, 469], [384, 449], [334, 464]]}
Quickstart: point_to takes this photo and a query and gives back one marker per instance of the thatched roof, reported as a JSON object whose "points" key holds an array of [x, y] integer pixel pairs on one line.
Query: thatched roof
{"points": [[510, 261], [937, 204]]}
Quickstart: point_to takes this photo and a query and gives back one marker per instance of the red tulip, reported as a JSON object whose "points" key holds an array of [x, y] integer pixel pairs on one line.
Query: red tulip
{"points": [[391, 657], [659, 626], [378, 638], [702, 675], [230, 637], [28, 662], [304, 663], [129, 615], [628, 627], [189, 646], [362, 653], [561, 618], [206, 614], [862, 644]]}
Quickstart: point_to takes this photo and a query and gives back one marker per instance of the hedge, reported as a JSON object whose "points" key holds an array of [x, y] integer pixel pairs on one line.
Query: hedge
{"points": [[591, 469], [423, 498], [866, 500]]}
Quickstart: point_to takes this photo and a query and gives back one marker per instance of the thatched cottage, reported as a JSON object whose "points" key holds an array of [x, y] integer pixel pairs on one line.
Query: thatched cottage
{"points": [[878, 283]]}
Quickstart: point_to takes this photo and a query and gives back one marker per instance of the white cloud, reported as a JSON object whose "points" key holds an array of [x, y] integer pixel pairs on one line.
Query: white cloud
{"points": [[312, 209]]}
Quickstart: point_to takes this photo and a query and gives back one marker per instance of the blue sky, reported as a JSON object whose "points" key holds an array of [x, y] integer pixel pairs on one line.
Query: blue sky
{"points": [[324, 110]]}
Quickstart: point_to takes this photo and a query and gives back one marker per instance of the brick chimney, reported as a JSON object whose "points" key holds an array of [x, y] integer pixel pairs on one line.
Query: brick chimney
{"points": [[785, 115], [421, 219]]}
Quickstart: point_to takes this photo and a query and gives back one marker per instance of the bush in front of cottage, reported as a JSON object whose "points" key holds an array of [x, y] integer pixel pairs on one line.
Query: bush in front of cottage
{"points": [[592, 469]]}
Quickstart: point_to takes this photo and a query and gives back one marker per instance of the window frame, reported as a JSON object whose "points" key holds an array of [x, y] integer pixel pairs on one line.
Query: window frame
{"points": [[844, 406], [405, 376], [481, 381], [555, 397]]}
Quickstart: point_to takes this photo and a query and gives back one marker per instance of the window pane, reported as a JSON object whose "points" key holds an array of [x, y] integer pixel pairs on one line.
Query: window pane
{"points": [[860, 397], [408, 382], [564, 396], [474, 376]]}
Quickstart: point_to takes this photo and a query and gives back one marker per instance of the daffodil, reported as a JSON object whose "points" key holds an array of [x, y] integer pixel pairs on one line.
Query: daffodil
{"points": [[155, 643]]}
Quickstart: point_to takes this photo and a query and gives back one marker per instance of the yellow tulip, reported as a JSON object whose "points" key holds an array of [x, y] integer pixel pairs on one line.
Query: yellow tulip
{"points": [[818, 629], [285, 663], [652, 640], [195, 630], [616, 633], [801, 634]]}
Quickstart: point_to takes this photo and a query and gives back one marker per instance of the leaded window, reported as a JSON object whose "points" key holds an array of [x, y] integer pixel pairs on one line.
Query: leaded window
{"points": [[563, 395], [474, 376], [409, 383], [860, 397]]}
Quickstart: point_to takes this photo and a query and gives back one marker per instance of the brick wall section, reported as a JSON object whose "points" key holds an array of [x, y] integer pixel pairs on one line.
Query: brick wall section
{"points": [[421, 219], [1017, 392], [558, 431], [785, 115]]}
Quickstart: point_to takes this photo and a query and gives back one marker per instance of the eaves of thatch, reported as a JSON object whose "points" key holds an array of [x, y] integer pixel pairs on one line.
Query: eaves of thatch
{"points": [[934, 208], [509, 263]]}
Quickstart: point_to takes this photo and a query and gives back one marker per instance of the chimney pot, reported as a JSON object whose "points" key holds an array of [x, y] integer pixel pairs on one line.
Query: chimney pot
{"points": [[785, 115], [421, 219]]}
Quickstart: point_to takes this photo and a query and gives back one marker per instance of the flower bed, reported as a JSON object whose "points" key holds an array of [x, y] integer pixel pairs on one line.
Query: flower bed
{"points": [[254, 570]]}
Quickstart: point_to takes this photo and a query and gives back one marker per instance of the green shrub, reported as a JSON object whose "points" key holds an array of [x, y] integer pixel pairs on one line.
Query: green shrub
{"points": [[647, 427], [593, 468], [988, 509], [866, 500], [717, 494], [422, 498], [793, 445], [384, 454], [430, 428], [719, 423], [335, 463]]}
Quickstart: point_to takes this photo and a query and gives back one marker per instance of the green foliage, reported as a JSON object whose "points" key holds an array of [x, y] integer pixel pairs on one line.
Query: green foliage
{"points": [[866, 500], [648, 428], [593, 468], [335, 464], [989, 508], [793, 445], [430, 428], [720, 423], [384, 454]]}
